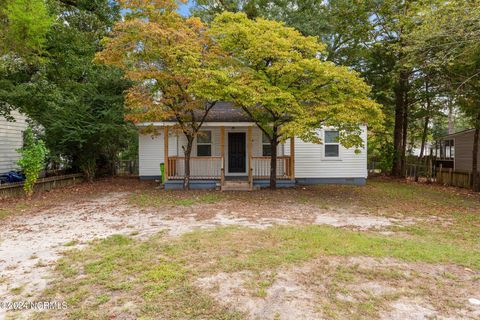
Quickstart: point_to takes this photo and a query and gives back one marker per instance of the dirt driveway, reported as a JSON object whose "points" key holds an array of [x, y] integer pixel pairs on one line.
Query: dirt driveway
{"points": [[31, 242]]}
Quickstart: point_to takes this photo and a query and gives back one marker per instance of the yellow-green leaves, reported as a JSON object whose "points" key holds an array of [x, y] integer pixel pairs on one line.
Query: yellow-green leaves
{"points": [[23, 26], [171, 59], [282, 80]]}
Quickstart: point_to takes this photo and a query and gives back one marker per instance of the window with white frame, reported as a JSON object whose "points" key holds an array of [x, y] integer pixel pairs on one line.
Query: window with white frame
{"points": [[204, 144], [266, 146], [332, 144]]}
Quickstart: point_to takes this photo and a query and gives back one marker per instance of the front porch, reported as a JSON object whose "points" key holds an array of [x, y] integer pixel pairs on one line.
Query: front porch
{"points": [[228, 153]]}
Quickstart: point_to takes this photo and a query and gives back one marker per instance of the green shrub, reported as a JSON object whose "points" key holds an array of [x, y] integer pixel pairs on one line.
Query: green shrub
{"points": [[32, 161]]}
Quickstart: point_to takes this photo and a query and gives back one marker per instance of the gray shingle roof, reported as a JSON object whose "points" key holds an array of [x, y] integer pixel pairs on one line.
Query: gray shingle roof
{"points": [[224, 112]]}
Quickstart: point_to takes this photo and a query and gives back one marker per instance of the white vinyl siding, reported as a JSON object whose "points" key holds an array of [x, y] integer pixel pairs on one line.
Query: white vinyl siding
{"points": [[309, 157], [11, 139], [311, 163], [151, 152]]}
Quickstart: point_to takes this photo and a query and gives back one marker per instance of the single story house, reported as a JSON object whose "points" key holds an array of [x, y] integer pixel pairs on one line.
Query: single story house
{"points": [[231, 152], [11, 139], [456, 151]]}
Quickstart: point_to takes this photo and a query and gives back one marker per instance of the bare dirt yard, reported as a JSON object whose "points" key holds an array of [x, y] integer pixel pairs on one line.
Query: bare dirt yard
{"points": [[124, 249]]}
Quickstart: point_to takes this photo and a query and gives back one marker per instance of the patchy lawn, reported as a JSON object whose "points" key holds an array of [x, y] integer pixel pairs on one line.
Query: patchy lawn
{"points": [[388, 250]]}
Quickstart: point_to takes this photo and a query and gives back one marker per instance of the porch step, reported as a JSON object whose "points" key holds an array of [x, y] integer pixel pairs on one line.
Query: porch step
{"points": [[236, 186]]}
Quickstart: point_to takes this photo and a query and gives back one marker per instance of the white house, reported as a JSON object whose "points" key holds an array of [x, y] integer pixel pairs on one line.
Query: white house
{"points": [[11, 139], [232, 152]]}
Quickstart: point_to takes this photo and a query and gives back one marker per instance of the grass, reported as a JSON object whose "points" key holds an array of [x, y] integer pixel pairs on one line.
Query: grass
{"points": [[156, 275], [4, 213], [122, 275], [17, 290], [15, 208], [394, 198], [154, 278], [285, 244], [172, 198], [71, 243]]}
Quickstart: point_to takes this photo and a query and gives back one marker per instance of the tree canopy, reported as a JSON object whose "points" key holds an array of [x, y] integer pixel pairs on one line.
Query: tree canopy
{"points": [[280, 79], [78, 104], [174, 64]]}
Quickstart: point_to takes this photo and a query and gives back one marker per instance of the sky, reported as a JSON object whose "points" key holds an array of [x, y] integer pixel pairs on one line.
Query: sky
{"points": [[184, 9]]}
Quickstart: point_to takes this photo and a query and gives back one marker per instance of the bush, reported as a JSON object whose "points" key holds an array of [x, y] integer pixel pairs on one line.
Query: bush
{"points": [[34, 154]]}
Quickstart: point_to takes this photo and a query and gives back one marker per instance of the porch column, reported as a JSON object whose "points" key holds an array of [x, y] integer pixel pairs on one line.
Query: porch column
{"points": [[222, 153], [249, 148], [222, 142], [165, 152], [292, 158]]}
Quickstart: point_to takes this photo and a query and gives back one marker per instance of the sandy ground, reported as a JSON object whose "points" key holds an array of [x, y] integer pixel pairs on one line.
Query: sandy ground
{"points": [[30, 244], [398, 290]]}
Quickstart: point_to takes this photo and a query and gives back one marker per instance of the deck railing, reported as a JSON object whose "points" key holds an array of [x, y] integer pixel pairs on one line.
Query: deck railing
{"points": [[200, 167], [261, 167]]}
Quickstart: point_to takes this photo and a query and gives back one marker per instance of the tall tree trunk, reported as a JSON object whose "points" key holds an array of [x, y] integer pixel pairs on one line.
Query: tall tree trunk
{"points": [[451, 120], [424, 136], [424, 141], [404, 139], [273, 159], [398, 131], [475, 180], [188, 153]]}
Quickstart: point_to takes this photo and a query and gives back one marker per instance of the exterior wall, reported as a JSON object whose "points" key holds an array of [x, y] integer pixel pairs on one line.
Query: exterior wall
{"points": [[310, 161], [11, 138], [151, 153], [310, 164], [463, 151]]}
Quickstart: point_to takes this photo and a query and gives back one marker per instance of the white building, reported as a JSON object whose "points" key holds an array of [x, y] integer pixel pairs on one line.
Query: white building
{"points": [[11, 139], [232, 148]]}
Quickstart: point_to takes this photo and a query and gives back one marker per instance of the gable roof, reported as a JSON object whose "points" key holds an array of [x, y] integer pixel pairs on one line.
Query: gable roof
{"points": [[467, 131]]}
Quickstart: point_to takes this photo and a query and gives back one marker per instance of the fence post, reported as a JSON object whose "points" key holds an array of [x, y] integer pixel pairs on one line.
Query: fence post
{"points": [[429, 169], [439, 174]]}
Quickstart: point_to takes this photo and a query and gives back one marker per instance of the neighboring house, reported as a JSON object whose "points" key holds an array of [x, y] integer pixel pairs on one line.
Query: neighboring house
{"points": [[415, 151], [231, 150], [456, 151], [11, 138]]}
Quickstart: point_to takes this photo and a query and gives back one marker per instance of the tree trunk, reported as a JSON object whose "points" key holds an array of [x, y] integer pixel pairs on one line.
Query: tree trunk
{"points": [[424, 140], [398, 132], [475, 182], [404, 138], [424, 136], [451, 121], [188, 153], [273, 160]]}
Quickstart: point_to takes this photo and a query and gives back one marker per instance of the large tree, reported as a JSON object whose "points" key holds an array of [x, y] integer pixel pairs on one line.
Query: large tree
{"points": [[23, 25], [173, 62], [370, 37], [449, 36], [281, 81], [23, 29], [78, 104]]}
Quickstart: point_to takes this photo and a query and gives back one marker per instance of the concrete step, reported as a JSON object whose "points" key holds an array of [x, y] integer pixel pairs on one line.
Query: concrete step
{"points": [[236, 186]]}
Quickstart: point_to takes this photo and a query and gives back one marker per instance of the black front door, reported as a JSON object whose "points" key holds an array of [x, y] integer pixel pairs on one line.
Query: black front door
{"points": [[236, 152]]}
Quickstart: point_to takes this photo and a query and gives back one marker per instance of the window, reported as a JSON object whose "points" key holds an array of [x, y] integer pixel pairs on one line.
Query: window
{"points": [[332, 145], [446, 149], [266, 146], [204, 144]]}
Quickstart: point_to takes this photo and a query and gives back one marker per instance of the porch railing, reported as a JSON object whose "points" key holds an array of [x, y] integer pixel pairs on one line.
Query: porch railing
{"points": [[200, 167], [261, 167], [213, 168]]}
